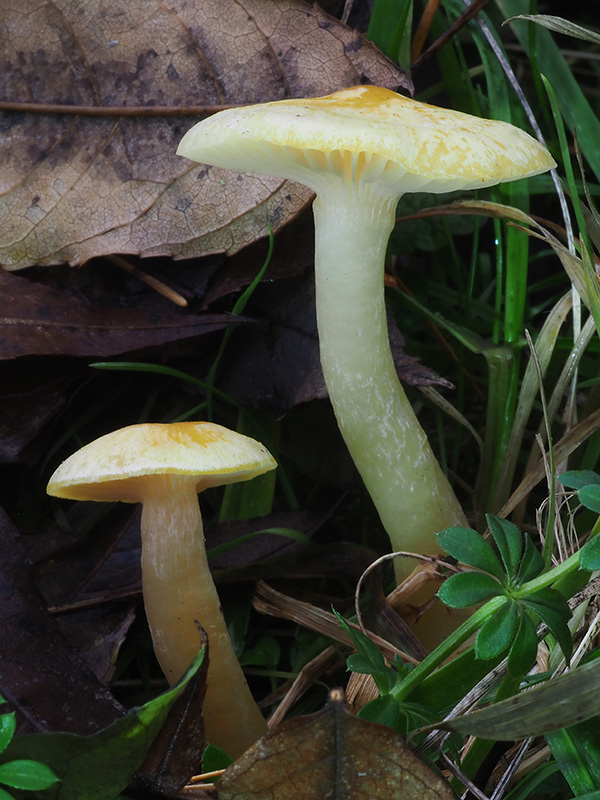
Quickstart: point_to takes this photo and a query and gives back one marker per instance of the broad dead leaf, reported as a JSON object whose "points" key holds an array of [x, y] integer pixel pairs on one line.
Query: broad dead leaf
{"points": [[73, 186], [48, 684], [331, 754], [24, 411], [39, 320]]}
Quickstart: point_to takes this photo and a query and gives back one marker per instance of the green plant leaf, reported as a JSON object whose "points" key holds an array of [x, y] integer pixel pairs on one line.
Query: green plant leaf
{"points": [[384, 710], [577, 751], [590, 497], [265, 653], [553, 600], [468, 589], [8, 726], [368, 650], [361, 663], [532, 562], [578, 478], [509, 541], [525, 789], [470, 548], [26, 774], [589, 557], [370, 660], [556, 624], [100, 766], [589, 796], [524, 647], [403, 717], [214, 758], [498, 632]]}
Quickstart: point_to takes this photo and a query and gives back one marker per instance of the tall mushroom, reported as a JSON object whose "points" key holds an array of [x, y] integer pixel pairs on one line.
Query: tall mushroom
{"points": [[359, 150], [164, 467]]}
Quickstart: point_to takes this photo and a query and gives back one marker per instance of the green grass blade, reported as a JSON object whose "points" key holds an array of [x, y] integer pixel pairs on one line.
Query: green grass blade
{"points": [[563, 26], [548, 707], [390, 29], [574, 106], [577, 752], [287, 533], [545, 344], [525, 788]]}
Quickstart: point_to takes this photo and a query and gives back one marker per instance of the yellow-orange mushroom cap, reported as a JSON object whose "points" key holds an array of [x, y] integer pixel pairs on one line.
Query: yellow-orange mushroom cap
{"points": [[119, 466], [164, 466], [370, 133]]}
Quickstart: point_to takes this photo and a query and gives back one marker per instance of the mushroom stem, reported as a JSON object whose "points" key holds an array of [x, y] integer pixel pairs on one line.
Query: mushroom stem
{"points": [[382, 433], [180, 597]]}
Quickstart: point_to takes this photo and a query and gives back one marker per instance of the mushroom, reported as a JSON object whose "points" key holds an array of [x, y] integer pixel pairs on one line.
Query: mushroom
{"points": [[164, 467], [359, 150]]}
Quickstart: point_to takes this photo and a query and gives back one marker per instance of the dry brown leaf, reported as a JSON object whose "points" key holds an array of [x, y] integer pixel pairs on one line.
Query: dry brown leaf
{"points": [[73, 187], [331, 754]]}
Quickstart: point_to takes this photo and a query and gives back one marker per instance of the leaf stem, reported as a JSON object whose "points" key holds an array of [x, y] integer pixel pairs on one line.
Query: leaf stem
{"points": [[446, 649], [461, 634]]}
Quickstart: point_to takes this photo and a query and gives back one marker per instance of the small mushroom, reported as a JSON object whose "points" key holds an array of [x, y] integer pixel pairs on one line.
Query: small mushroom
{"points": [[164, 467], [360, 149]]}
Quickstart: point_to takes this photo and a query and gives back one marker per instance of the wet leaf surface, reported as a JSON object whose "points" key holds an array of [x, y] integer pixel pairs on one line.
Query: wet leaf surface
{"points": [[331, 754], [74, 186], [24, 413], [42, 677]]}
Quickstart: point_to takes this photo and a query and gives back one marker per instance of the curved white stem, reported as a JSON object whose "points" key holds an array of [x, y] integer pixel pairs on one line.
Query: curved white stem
{"points": [[384, 437], [180, 597]]}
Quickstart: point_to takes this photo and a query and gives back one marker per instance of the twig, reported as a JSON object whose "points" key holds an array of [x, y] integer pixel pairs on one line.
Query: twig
{"points": [[154, 283], [112, 111], [304, 679], [473, 9], [423, 29]]}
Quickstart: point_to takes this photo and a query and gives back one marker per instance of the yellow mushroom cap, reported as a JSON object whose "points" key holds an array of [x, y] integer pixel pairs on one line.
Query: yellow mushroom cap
{"points": [[116, 466], [370, 133]]}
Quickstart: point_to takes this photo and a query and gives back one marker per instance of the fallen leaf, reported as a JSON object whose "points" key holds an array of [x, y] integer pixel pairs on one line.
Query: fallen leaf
{"points": [[40, 320], [73, 186], [23, 413], [94, 612], [277, 365], [331, 754], [97, 634], [45, 680], [100, 766]]}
